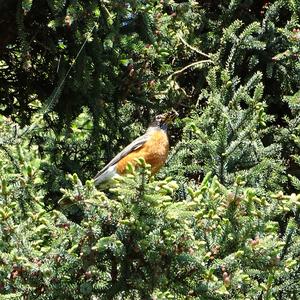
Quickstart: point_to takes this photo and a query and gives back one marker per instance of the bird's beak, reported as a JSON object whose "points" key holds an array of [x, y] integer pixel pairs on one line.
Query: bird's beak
{"points": [[171, 116]]}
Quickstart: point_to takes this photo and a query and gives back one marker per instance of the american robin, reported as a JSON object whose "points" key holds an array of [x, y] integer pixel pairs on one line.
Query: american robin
{"points": [[153, 146]]}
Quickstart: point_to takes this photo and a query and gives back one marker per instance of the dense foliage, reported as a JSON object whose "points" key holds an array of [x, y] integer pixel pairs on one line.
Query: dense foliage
{"points": [[80, 79]]}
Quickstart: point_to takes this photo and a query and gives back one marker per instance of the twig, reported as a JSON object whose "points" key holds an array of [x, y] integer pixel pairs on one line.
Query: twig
{"points": [[193, 48], [47, 106], [107, 11], [189, 66]]}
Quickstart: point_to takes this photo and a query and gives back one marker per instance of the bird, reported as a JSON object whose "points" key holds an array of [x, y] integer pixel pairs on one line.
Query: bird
{"points": [[152, 146]]}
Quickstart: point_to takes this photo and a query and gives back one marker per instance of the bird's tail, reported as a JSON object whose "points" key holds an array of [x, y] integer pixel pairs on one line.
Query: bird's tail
{"points": [[105, 176]]}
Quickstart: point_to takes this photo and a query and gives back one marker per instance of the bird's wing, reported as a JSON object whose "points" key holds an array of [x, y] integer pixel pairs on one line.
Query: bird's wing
{"points": [[137, 143]]}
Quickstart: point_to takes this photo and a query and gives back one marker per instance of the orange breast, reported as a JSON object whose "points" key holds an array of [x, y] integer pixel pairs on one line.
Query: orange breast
{"points": [[154, 151]]}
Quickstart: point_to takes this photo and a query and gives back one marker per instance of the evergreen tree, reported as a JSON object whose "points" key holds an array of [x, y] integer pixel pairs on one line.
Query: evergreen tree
{"points": [[80, 80]]}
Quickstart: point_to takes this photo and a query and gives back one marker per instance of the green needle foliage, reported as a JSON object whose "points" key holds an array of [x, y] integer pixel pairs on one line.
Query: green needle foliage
{"points": [[226, 136], [138, 242]]}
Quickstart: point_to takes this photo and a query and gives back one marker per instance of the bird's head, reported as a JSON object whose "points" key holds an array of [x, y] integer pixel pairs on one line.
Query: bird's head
{"points": [[163, 120]]}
